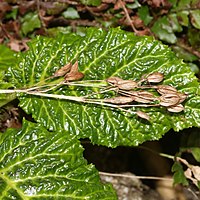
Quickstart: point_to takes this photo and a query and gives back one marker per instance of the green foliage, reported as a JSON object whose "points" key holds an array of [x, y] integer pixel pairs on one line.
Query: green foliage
{"points": [[91, 2], [183, 13], [37, 164], [30, 22], [179, 177], [100, 55], [70, 13], [144, 14], [7, 58]]}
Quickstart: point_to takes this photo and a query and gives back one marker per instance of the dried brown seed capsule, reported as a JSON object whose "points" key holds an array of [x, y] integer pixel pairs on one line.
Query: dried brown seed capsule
{"points": [[166, 89], [74, 76], [114, 80], [126, 84], [142, 115], [176, 109], [146, 95], [119, 100], [169, 100], [63, 70], [155, 77], [140, 99], [182, 96]]}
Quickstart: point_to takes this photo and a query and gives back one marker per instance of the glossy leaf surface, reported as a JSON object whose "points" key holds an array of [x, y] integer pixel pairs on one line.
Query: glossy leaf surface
{"points": [[37, 164], [101, 55]]}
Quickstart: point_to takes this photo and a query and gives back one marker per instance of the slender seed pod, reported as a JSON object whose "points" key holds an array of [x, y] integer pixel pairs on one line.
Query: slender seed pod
{"points": [[147, 95], [166, 89], [168, 100], [182, 96], [155, 77], [114, 80], [142, 115], [176, 109], [118, 100], [126, 84], [140, 99]]}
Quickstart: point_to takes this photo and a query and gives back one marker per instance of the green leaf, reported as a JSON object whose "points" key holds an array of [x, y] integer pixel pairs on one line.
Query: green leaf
{"points": [[176, 27], [195, 18], [163, 30], [183, 54], [30, 22], [71, 13], [37, 164], [91, 2], [183, 17], [144, 14], [7, 59], [103, 54], [179, 177]]}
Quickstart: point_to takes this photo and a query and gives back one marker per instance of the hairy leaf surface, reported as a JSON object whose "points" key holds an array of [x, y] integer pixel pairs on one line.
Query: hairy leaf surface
{"points": [[101, 55], [37, 164]]}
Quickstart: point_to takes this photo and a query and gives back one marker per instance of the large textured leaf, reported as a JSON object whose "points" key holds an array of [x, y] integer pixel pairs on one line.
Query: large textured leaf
{"points": [[7, 58], [101, 55], [37, 164]]}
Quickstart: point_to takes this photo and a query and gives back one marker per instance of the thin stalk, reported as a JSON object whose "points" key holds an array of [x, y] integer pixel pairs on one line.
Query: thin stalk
{"points": [[135, 177]]}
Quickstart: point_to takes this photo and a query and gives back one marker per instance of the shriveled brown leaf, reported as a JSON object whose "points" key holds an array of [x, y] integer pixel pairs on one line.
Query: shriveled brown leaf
{"points": [[63, 70], [76, 76], [143, 115], [119, 100]]}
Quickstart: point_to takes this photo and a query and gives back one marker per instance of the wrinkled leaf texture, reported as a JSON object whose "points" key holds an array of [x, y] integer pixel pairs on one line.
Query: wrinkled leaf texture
{"points": [[37, 164], [100, 55]]}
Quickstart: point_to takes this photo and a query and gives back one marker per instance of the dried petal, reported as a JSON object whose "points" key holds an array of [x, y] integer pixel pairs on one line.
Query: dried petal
{"points": [[169, 100], [166, 89], [74, 76], [113, 80], [142, 115], [176, 109], [63, 70], [127, 84], [119, 100], [155, 77]]}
